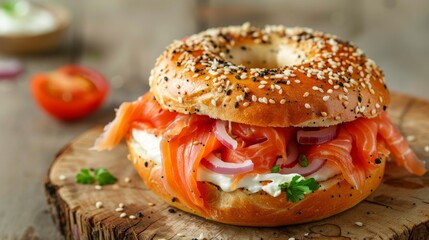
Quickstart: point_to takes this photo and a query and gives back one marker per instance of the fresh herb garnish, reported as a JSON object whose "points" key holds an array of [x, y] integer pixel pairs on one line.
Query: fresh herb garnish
{"points": [[84, 177], [101, 176], [302, 160], [295, 190], [275, 169]]}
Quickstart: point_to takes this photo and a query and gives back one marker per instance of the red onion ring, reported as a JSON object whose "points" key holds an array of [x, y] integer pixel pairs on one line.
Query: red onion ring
{"points": [[222, 135], [10, 68], [217, 165], [316, 136], [292, 155], [314, 166]]}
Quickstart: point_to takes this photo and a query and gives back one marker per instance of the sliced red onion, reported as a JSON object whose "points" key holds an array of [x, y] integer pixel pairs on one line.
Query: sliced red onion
{"points": [[314, 166], [217, 165], [10, 68], [316, 136], [222, 135], [292, 156]]}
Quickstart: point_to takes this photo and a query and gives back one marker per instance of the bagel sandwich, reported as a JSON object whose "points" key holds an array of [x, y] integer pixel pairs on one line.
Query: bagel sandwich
{"points": [[261, 126]]}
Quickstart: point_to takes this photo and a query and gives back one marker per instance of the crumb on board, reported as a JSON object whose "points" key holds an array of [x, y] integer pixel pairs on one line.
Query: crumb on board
{"points": [[98, 204]]}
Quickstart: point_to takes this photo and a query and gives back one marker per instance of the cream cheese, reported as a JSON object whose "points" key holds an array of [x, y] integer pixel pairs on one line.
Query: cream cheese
{"points": [[147, 145], [29, 19]]}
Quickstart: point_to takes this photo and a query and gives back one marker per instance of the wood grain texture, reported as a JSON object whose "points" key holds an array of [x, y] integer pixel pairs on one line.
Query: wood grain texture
{"points": [[399, 209]]}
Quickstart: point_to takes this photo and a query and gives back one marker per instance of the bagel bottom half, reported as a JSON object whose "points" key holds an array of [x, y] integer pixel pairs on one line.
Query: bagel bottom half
{"points": [[260, 209]]}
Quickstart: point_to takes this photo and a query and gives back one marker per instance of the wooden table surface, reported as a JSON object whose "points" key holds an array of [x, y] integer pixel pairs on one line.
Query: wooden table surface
{"points": [[122, 38]]}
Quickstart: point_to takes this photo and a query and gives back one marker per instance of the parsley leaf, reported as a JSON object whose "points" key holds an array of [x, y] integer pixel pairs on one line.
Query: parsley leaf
{"points": [[295, 190], [103, 177], [302, 160], [89, 176], [84, 177], [275, 169]]}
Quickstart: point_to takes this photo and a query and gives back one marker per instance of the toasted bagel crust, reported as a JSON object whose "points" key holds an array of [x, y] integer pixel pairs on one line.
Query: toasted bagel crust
{"points": [[260, 209], [331, 81]]}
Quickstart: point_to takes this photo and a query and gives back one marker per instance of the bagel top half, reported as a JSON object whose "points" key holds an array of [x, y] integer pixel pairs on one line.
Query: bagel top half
{"points": [[275, 76]]}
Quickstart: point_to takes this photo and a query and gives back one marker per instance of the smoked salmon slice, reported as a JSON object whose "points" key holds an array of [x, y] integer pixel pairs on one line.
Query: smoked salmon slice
{"points": [[143, 113], [183, 146], [263, 145], [401, 151], [364, 133], [338, 151]]}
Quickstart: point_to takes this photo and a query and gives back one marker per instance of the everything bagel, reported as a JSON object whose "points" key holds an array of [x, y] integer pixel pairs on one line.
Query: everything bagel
{"points": [[261, 127]]}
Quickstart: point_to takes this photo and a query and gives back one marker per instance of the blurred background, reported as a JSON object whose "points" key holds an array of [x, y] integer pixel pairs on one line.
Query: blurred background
{"points": [[122, 38]]}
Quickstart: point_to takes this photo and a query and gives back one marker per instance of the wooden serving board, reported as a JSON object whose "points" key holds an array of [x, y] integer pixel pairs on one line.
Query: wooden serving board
{"points": [[398, 209]]}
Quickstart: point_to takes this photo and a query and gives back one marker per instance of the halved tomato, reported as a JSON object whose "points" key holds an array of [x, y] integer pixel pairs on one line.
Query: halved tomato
{"points": [[70, 92]]}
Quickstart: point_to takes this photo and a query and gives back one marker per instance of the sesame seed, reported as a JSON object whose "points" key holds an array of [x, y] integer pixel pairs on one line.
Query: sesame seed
{"points": [[122, 215], [98, 204], [180, 99], [306, 94], [426, 148], [291, 238], [411, 138], [98, 187], [62, 177], [261, 86], [315, 88], [272, 101], [377, 105], [325, 98], [151, 204], [324, 114], [121, 205], [119, 209], [297, 81], [360, 224], [307, 105], [181, 235], [337, 118], [213, 102], [127, 180], [132, 217], [373, 111], [196, 142], [245, 104], [329, 91], [254, 98], [201, 236], [283, 101]]}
